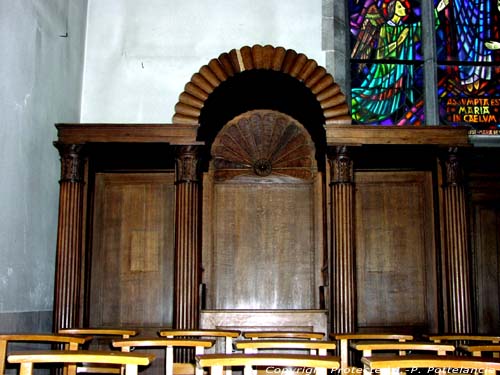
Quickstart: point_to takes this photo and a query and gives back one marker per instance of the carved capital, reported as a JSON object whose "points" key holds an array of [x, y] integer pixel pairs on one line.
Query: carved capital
{"points": [[72, 161], [341, 166], [452, 174], [187, 162]]}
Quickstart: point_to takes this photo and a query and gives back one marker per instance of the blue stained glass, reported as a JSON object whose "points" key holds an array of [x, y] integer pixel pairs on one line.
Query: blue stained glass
{"points": [[386, 53], [468, 51], [386, 93], [468, 31]]}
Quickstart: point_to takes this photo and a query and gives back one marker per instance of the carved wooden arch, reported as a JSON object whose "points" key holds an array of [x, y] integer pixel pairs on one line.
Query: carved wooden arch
{"points": [[265, 144], [287, 61]]}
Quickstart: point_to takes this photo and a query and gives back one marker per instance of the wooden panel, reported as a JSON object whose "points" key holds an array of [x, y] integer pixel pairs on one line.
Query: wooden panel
{"points": [[269, 320], [486, 221], [395, 254], [416, 135], [132, 254], [264, 254], [176, 134]]}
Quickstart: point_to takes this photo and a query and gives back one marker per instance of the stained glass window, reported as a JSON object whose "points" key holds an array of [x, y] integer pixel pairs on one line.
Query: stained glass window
{"points": [[468, 56], [386, 62], [387, 70]]}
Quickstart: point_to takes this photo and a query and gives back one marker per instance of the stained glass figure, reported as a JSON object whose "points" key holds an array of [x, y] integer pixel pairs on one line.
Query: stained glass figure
{"points": [[468, 52], [386, 69]]}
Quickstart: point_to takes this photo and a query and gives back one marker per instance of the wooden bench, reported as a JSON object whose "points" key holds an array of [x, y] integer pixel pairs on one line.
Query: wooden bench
{"points": [[100, 334], [313, 346], [463, 337], [385, 365], [480, 349], [224, 346], [130, 361], [272, 362], [367, 347], [227, 335], [69, 342], [257, 335], [123, 333], [169, 345], [345, 338]]}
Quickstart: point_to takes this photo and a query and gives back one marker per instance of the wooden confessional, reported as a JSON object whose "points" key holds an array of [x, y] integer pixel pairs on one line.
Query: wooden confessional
{"points": [[262, 206]]}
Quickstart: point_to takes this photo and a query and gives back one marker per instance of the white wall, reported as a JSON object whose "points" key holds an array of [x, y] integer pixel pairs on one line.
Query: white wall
{"points": [[141, 53], [40, 84]]}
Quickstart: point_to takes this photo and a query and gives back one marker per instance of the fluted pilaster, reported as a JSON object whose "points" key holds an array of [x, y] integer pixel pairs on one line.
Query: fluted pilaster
{"points": [[69, 238], [187, 245], [456, 251], [343, 297], [187, 239]]}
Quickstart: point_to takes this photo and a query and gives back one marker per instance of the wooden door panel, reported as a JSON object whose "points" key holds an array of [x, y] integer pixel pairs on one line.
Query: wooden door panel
{"points": [[132, 250], [395, 254], [486, 223], [264, 251]]}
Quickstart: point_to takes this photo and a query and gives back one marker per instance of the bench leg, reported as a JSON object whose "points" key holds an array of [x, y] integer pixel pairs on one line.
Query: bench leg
{"points": [[3, 354], [131, 369], [26, 368]]}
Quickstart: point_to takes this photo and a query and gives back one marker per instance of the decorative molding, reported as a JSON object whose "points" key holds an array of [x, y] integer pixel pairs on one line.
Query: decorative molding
{"points": [[342, 166], [453, 175], [339, 135], [264, 143], [71, 161], [174, 134], [286, 61], [187, 163]]}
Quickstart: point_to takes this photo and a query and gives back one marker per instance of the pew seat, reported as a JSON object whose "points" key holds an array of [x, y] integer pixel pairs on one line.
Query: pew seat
{"points": [[258, 335], [346, 338], [463, 337], [123, 333], [313, 346], [481, 349], [130, 361], [169, 345], [69, 343], [271, 362], [101, 340], [368, 347], [226, 335], [385, 365]]}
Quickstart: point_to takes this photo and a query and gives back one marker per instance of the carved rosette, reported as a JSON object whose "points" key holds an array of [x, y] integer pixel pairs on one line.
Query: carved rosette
{"points": [[263, 143], [71, 162]]}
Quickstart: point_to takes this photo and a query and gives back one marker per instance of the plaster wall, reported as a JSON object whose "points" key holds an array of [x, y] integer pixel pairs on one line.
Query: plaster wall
{"points": [[42, 44], [141, 53]]}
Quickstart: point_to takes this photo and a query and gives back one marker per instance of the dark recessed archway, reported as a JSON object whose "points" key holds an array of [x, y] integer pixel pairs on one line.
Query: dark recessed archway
{"points": [[296, 65], [261, 89], [262, 77]]}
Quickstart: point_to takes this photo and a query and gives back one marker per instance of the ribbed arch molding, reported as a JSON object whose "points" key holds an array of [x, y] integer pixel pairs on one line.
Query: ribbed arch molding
{"points": [[287, 61]]}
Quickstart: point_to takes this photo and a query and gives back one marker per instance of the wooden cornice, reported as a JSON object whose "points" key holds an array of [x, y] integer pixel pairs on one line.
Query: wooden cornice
{"points": [[398, 135], [175, 134]]}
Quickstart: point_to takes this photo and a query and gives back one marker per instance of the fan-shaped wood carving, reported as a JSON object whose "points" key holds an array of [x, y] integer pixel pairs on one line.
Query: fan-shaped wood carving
{"points": [[263, 143], [297, 65]]}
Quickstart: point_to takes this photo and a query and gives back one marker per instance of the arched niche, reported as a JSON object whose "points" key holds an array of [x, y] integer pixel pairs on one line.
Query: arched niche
{"points": [[263, 229], [273, 67]]}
